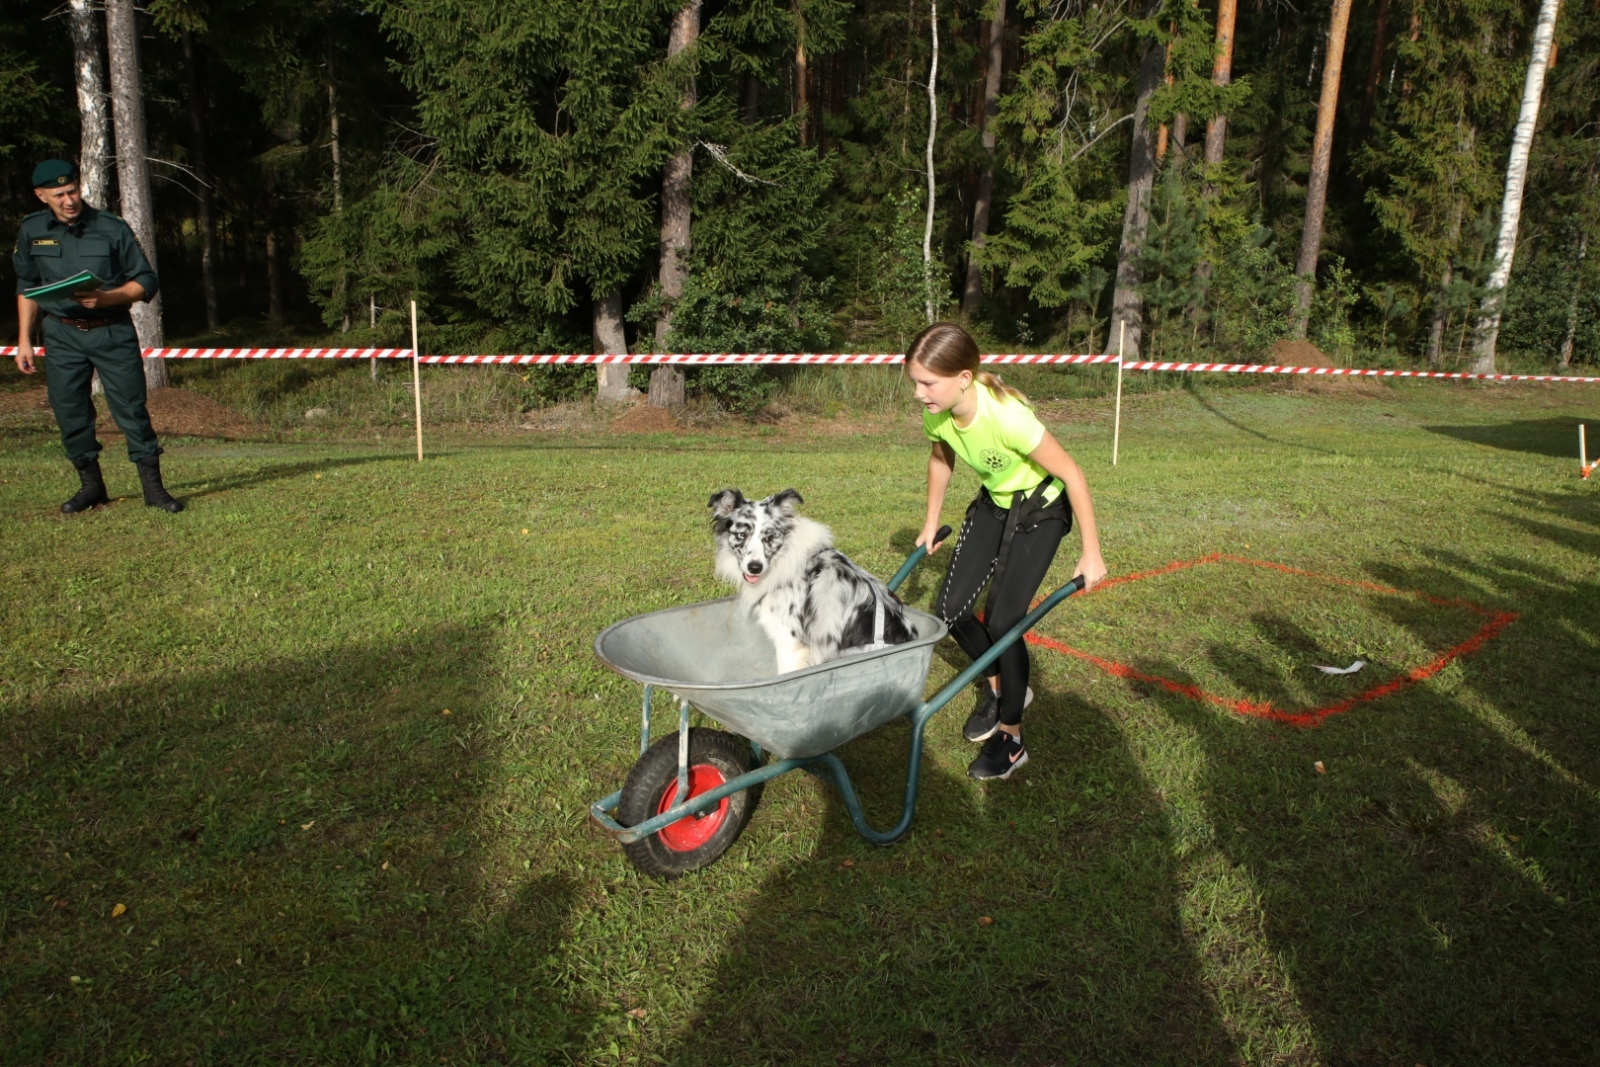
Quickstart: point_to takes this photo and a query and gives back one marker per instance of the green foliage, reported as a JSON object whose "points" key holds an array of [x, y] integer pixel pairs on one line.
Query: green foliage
{"points": [[1253, 295], [1172, 249], [1336, 297], [22, 96], [502, 162]]}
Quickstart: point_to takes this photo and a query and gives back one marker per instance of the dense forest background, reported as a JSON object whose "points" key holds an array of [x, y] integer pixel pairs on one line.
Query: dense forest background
{"points": [[502, 162]]}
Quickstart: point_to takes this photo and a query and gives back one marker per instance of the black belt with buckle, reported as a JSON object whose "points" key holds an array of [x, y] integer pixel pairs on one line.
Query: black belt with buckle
{"points": [[84, 325]]}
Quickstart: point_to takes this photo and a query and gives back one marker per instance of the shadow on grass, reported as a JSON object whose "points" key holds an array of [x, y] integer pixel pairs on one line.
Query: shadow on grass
{"points": [[1433, 897], [1541, 437], [298, 848], [276, 472], [863, 955]]}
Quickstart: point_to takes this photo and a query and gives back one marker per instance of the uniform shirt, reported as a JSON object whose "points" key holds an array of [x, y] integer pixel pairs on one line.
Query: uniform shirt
{"points": [[996, 444], [48, 250]]}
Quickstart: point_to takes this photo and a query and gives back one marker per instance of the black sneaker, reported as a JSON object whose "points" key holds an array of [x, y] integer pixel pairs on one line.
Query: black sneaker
{"points": [[1001, 755], [985, 718]]}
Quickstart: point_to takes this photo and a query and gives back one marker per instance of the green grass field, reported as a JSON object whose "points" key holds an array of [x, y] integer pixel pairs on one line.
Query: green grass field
{"points": [[301, 775]]}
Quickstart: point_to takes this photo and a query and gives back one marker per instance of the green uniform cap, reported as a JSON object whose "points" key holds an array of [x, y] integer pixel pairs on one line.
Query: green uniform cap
{"points": [[53, 173]]}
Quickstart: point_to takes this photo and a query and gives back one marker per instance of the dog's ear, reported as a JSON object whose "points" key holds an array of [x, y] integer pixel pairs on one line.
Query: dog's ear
{"points": [[723, 502], [787, 500]]}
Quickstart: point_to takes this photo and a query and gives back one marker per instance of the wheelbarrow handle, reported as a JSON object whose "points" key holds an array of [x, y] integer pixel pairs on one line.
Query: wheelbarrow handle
{"points": [[915, 558]]}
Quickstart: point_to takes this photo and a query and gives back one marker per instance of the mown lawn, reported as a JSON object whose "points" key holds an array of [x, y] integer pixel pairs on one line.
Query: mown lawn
{"points": [[329, 738]]}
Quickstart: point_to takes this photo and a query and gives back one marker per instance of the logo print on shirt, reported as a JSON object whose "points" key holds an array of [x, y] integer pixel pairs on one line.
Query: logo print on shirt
{"points": [[994, 460]]}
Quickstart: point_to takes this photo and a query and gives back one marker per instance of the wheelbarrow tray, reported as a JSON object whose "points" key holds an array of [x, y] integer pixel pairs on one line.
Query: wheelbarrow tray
{"points": [[718, 658]]}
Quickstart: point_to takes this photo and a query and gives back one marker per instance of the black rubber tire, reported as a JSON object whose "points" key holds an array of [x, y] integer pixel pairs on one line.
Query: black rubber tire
{"points": [[656, 775]]}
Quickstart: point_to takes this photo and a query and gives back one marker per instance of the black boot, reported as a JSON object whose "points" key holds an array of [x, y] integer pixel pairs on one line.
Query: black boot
{"points": [[93, 491], [155, 494]]}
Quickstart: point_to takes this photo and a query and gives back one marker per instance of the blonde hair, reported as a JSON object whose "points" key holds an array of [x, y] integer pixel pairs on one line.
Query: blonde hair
{"points": [[947, 350]]}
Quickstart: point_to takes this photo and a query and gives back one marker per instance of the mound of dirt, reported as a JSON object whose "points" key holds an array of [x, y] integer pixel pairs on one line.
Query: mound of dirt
{"points": [[180, 413], [1297, 354], [642, 418]]}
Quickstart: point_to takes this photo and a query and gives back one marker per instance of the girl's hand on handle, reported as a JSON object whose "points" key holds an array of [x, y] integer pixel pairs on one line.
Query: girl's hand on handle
{"points": [[1091, 568], [930, 537]]}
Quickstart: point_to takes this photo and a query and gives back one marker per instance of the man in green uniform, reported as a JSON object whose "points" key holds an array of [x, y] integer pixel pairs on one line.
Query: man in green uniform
{"points": [[88, 330]]}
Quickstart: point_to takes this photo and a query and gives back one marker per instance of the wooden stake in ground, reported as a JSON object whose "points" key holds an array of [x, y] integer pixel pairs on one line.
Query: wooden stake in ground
{"points": [[1321, 157], [1116, 422], [1516, 178], [416, 377]]}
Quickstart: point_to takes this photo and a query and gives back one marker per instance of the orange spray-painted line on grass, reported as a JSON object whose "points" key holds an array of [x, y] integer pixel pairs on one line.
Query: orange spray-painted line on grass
{"points": [[1495, 621]]}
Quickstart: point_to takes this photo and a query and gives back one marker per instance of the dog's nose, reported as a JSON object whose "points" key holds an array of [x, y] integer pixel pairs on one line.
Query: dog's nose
{"points": [[755, 566]]}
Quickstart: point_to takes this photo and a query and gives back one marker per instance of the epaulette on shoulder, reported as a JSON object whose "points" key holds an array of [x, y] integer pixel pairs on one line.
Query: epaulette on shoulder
{"points": [[36, 214], [109, 215]]}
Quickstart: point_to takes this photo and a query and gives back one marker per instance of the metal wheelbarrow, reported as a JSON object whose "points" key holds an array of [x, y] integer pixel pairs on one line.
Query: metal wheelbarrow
{"points": [[690, 794]]}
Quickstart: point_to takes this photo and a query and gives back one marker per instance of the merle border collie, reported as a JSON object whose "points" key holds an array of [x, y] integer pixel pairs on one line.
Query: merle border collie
{"points": [[810, 599]]}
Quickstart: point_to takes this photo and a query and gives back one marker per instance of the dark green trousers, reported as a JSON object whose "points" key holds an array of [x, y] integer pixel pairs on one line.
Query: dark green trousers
{"points": [[71, 357]]}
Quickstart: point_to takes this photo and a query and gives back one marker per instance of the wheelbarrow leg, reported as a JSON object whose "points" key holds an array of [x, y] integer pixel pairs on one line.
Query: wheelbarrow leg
{"points": [[683, 754], [841, 779], [644, 725]]}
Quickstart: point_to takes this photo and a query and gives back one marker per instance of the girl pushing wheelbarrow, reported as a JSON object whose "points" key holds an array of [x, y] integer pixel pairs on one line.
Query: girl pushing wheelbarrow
{"points": [[691, 793]]}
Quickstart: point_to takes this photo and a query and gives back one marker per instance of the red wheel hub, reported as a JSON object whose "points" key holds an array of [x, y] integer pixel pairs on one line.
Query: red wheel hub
{"points": [[690, 832]]}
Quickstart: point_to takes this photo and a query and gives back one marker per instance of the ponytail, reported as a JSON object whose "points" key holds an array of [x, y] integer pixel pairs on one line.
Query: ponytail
{"points": [[1001, 388], [947, 350]]}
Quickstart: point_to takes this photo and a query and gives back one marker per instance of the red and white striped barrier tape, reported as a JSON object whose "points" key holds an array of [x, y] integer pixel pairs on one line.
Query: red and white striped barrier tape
{"points": [[824, 358]]}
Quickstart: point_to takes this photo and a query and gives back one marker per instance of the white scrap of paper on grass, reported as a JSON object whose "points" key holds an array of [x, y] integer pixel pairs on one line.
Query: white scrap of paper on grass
{"points": [[1356, 666]]}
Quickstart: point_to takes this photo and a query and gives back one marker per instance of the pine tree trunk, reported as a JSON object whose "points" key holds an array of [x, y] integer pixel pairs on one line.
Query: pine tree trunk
{"points": [[802, 83], [609, 337], [666, 381], [94, 165], [1321, 156], [208, 235], [933, 131], [338, 174], [1440, 314], [1127, 305], [1572, 306], [1516, 178], [973, 293], [1216, 133], [133, 168], [1221, 75], [752, 100], [275, 314], [1369, 95]]}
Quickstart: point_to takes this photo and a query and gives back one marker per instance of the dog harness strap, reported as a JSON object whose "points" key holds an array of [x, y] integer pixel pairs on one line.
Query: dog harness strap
{"points": [[877, 626]]}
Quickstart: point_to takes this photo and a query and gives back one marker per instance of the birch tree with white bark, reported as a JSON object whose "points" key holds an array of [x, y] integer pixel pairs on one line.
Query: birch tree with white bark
{"points": [[1489, 310]]}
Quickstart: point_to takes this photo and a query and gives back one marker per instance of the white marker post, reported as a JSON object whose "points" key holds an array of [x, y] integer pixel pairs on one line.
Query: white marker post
{"points": [[416, 378], [1583, 452], [1116, 426]]}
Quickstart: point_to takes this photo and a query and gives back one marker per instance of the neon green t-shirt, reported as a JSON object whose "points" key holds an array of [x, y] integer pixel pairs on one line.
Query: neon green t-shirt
{"points": [[996, 444]]}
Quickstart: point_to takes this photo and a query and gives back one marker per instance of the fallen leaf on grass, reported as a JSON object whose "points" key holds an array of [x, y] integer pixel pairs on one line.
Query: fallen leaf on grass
{"points": [[637, 1013], [1320, 768], [446, 711], [984, 920], [848, 863], [1356, 666], [385, 866], [308, 825], [118, 911]]}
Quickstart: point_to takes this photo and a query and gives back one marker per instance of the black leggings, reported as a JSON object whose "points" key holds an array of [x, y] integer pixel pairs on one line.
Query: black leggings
{"points": [[1033, 548]]}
